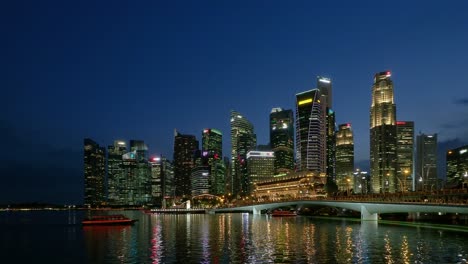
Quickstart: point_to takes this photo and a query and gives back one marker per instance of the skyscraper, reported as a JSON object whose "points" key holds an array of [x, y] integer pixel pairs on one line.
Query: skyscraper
{"points": [[212, 152], [325, 86], [426, 162], [135, 190], [94, 173], [457, 167], [260, 166], [345, 158], [405, 150], [116, 177], [282, 139], [243, 140], [383, 138], [184, 150], [310, 132]]}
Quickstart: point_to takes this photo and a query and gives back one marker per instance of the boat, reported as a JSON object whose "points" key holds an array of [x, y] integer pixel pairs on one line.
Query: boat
{"points": [[108, 220], [283, 213]]}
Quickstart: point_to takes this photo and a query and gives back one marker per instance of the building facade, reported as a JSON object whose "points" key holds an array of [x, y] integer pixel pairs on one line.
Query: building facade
{"points": [[212, 154], [185, 147], [325, 86], [260, 167], [94, 173], [405, 150], [426, 162], [116, 177], [282, 139], [383, 138], [310, 132], [345, 157], [457, 167], [243, 139]]}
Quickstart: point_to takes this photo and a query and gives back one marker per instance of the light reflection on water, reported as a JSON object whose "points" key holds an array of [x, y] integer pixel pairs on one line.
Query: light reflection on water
{"points": [[222, 238]]}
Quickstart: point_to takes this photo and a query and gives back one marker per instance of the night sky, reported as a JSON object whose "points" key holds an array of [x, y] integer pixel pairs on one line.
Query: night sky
{"points": [[138, 70]]}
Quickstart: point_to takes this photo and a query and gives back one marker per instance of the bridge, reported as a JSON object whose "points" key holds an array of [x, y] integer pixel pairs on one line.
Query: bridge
{"points": [[453, 201]]}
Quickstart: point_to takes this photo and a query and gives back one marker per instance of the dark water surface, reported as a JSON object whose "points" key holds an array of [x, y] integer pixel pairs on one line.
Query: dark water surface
{"points": [[58, 237]]}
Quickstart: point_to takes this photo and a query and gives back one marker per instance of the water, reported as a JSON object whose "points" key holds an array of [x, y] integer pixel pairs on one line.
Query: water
{"points": [[58, 237]]}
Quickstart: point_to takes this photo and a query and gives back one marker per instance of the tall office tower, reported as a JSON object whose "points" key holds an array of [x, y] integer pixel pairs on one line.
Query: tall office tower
{"points": [[457, 167], [345, 158], [426, 163], [243, 140], [383, 139], [162, 181], [115, 172], [260, 167], [212, 152], [94, 173], [325, 86], [282, 139], [310, 132], [135, 190], [405, 150], [168, 184], [185, 147]]}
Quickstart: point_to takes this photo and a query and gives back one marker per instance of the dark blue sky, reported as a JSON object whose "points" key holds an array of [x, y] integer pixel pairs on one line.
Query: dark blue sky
{"points": [[120, 70]]}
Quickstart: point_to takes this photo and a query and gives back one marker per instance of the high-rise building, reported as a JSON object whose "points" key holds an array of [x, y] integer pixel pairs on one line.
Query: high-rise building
{"points": [[200, 178], [94, 173], [243, 140], [136, 188], [282, 139], [426, 163], [185, 147], [345, 158], [162, 181], [260, 167], [310, 132], [405, 150], [116, 177], [325, 86], [457, 167], [383, 138], [212, 155]]}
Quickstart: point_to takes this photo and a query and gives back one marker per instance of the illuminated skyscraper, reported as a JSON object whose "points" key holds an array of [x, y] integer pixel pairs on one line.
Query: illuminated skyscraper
{"points": [[405, 150], [161, 180], [383, 138], [457, 167], [243, 140], [184, 150], [426, 162], [282, 139], [345, 158], [325, 86], [212, 155], [310, 132], [94, 173], [260, 166], [116, 177]]}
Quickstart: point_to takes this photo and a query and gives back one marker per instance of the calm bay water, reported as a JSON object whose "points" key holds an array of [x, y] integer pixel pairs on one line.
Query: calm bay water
{"points": [[58, 237]]}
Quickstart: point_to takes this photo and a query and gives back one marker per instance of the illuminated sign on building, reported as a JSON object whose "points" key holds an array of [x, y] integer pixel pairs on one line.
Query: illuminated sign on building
{"points": [[261, 154], [463, 151], [306, 101]]}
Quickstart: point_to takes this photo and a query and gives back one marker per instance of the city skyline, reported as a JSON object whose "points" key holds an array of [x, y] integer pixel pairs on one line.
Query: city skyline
{"points": [[70, 73]]}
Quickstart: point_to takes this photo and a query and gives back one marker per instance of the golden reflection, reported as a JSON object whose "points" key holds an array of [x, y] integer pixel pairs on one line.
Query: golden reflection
{"points": [[405, 251], [388, 250]]}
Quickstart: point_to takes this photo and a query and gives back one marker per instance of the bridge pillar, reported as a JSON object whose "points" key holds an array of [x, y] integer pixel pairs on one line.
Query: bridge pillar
{"points": [[255, 211], [366, 216]]}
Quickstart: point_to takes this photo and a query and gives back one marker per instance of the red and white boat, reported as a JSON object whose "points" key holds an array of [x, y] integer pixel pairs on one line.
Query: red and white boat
{"points": [[108, 220], [283, 213]]}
